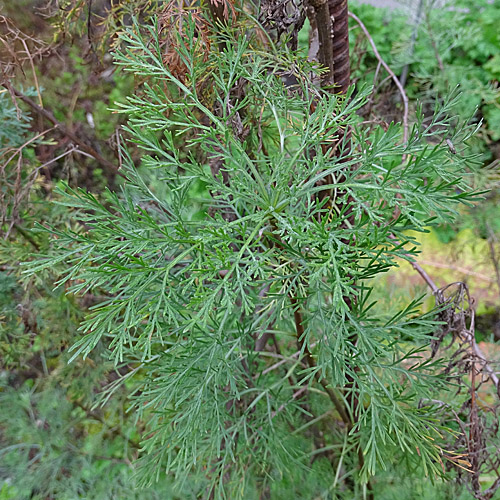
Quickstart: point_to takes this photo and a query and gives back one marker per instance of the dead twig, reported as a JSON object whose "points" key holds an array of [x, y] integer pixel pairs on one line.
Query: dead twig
{"points": [[492, 240], [394, 78], [459, 269], [418, 268], [438, 292], [68, 133]]}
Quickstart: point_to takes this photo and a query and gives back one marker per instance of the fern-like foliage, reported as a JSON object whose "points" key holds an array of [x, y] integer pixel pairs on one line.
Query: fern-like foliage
{"points": [[224, 236]]}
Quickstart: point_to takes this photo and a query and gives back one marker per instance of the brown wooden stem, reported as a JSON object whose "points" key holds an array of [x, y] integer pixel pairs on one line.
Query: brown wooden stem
{"points": [[339, 405], [324, 27], [299, 327], [66, 132]]}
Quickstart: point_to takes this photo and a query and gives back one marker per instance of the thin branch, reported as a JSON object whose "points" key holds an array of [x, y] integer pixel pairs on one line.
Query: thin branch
{"points": [[375, 78], [459, 269], [425, 276], [297, 314], [492, 239], [279, 363], [19, 150], [339, 406], [74, 149], [33, 70], [51, 118], [419, 269], [486, 365], [472, 340], [295, 395], [394, 78]]}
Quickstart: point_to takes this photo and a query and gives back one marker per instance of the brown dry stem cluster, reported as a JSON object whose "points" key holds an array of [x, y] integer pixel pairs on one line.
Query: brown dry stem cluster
{"points": [[467, 367]]}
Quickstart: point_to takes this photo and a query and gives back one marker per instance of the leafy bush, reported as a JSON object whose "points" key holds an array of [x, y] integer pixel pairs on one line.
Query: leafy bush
{"points": [[218, 327], [189, 290]]}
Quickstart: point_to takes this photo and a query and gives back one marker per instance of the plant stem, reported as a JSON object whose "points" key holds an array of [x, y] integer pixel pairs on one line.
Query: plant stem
{"points": [[299, 327], [324, 26], [27, 236], [81, 144], [339, 406]]}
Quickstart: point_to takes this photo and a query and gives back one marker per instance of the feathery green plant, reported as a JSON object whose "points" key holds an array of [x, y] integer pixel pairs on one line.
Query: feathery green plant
{"points": [[223, 237]]}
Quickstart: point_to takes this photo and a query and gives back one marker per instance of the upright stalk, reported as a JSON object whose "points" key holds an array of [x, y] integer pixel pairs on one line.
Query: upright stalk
{"points": [[340, 44], [332, 23]]}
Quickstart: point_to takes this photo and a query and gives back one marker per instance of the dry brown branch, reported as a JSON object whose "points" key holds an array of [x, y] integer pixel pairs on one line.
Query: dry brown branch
{"points": [[470, 338], [425, 276], [418, 268], [492, 242], [18, 48], [33, 71], [16, 190], [464, 270], [68, 133], [394, 78], [458, 321], [19, 150], [466, 333]]}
